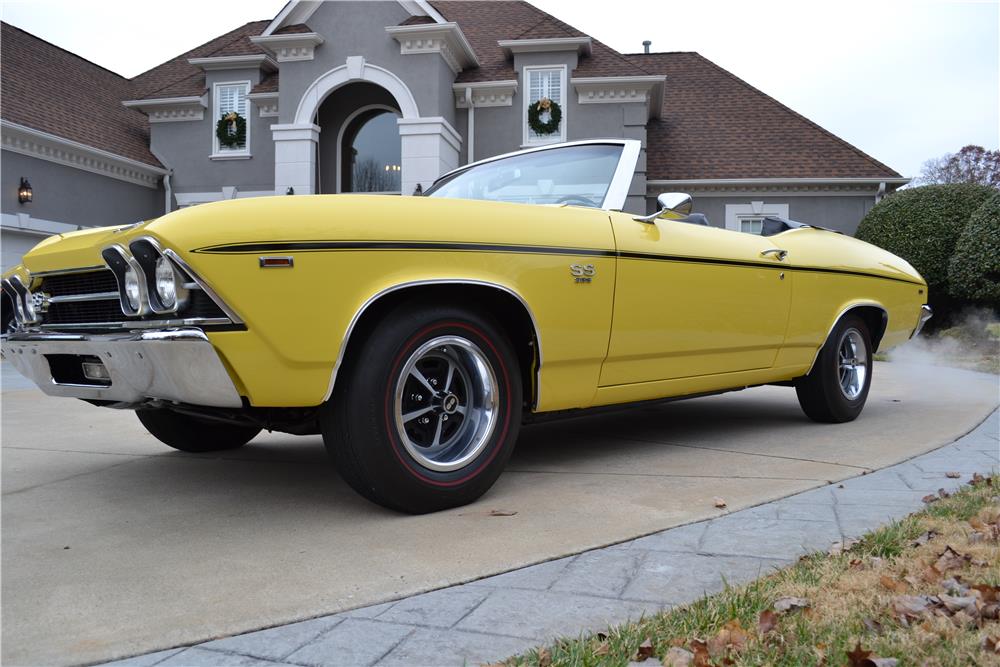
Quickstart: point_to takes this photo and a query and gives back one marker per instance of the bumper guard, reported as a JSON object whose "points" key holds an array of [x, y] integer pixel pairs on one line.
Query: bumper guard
{"points": [[167, 364]]}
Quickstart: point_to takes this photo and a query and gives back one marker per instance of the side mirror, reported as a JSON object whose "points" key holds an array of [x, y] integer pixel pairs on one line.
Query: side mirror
{"points": [[673, 202]]}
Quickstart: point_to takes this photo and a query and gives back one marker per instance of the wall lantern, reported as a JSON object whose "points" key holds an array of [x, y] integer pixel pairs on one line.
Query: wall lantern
{"points": [[24, 193]]}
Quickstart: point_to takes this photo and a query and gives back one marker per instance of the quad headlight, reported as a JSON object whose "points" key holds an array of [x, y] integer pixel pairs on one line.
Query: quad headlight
{"points": [[133, 289], [166, 283]]}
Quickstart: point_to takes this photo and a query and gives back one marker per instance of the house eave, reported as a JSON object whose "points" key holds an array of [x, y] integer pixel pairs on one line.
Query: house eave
{"points": [[622, 90], [53, 148], [171, 109], [235, 62], [582, 45], [485, 93], [444, 38], [289, 48]]}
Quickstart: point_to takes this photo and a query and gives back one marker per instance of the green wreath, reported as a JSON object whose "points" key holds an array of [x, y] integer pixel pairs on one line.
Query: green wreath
{"points": [[231, 130], [536, 109]]}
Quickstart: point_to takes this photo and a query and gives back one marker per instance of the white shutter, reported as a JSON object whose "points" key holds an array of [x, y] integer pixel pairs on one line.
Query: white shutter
{"points": [[546, 83], [229, 98]]}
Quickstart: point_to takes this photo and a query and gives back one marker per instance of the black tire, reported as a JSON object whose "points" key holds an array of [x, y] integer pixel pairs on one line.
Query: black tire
{"points": [[822, 393], [363, 426], [190, 434]]}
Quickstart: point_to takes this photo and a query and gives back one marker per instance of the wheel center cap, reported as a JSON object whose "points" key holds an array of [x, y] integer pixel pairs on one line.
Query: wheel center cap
{"points": [[449, 403]]}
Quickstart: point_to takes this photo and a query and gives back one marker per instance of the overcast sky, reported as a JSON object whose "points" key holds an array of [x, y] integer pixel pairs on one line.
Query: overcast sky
{"points": [[903, 80]]}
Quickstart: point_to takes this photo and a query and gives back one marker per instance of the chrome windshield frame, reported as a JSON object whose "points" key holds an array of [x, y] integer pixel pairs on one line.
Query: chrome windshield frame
{"points": [[614, 199]]}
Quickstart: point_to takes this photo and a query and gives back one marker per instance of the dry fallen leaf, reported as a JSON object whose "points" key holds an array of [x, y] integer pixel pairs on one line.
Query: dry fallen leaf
{"points": [[930, 574], [502, 512], [925, 538], [891, 584], [930, 498], [987, 593], [544, 658], [700, 650], [767, 621], [958, 603], [990, 644], [943, 494], [719, 502], [858, 657], [644, 651], [953, 475], [678, 657], [782, 605], [907, 607], [602, 649], [731, 637], [949, 560], [873, 626]]}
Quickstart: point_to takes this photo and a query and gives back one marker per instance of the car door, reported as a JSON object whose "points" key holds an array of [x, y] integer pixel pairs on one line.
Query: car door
{"points": [[692, 300]]}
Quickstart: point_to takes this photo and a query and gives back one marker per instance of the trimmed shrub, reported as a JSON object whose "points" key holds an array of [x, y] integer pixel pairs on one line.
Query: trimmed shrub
{"points": [[923, 225], [974, 272]]}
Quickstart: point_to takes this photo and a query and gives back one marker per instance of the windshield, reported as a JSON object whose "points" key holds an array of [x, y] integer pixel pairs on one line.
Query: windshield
{"points": [[576, 175]]}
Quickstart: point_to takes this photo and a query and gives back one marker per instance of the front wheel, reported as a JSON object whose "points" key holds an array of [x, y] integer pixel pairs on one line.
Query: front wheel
{"points": [[836, 389], [190, 434], [426, 415]]}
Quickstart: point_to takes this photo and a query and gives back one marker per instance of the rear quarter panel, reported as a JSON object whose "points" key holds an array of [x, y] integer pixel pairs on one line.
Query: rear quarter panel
{"points": [[834, 273]]}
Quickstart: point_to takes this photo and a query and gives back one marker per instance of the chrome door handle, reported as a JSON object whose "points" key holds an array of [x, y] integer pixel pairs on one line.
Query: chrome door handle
{"points": [[777, 252]]}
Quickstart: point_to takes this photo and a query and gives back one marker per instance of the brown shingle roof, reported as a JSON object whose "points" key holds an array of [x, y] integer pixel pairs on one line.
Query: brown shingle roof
{"points": [[268, 84], [166, 80], [294, 29], [52, 90], [715, 125], [486, 23]]}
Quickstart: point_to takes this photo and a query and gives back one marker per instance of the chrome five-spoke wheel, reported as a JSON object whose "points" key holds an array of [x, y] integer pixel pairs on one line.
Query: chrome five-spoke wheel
{"points": [[446, 403], [852, 363]]}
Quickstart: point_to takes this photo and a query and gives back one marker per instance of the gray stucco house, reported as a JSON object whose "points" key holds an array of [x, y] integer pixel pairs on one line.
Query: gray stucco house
{"points": [[385, 97]]}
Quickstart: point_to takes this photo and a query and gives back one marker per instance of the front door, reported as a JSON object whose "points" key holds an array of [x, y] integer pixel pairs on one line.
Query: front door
{"points": [[692, 301]]}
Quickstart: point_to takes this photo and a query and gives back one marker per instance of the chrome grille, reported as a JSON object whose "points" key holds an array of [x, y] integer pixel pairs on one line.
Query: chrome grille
{"points": [[90, 282]]}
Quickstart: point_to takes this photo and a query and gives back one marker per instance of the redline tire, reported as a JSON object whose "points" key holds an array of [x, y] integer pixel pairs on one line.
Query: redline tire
{"points": [[836, 389], [190, 434], [426, 415]]}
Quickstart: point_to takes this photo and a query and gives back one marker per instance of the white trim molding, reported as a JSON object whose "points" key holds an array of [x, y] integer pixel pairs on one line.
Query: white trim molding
{"points": [[171, 109], [485, 93], [356, 69], [266, 103], [735, 212], [23, 222], [296, 11], [44, 146], [735, 187], [235, 62], [446, 39], [421, 8], [227, 192], [582, 45], [290, 48], [621, 89]]}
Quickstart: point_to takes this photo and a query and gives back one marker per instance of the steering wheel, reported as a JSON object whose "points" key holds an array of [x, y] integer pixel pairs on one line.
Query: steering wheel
{"points": [[576, 198]]}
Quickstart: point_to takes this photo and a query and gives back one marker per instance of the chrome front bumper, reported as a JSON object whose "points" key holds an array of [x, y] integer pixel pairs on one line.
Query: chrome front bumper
{"points": [[167, 364]]}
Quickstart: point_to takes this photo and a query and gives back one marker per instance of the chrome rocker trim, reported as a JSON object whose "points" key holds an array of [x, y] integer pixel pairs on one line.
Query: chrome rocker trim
{"points": [[165, 364]]}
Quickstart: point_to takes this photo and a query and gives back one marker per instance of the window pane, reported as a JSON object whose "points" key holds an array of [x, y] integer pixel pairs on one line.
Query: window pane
{"points": [[544, 83], [751, 225], [229, 99], [373, 154], [576, 175]]}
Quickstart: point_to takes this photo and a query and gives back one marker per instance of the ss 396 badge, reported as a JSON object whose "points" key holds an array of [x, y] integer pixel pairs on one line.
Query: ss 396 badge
{"points": [[582, 273]]}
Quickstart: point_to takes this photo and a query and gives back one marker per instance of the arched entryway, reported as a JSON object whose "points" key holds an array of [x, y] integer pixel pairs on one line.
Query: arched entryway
{"points": [[359, 147]]}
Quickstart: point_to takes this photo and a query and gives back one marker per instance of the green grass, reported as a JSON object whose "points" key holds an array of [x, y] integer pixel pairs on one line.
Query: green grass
{"points": [[844, 590]]}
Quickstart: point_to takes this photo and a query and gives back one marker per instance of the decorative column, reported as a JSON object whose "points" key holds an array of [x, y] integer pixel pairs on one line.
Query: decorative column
{"points": [[295, 147], [430, 148]]}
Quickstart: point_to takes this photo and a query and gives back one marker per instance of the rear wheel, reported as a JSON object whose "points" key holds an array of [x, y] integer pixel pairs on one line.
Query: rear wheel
{"points": [[190, 434], [837, 387], [427, 413]]}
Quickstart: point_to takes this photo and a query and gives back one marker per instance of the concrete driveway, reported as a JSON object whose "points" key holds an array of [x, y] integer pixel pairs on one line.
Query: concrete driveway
{"points": [[114, 544]]}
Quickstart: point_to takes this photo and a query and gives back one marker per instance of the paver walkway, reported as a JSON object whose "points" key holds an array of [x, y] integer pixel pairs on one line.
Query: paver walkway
{"points": [[498, 616]]}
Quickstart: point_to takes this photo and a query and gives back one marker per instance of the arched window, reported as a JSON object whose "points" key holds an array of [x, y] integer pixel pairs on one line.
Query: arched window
{"points": [[371, 155]]}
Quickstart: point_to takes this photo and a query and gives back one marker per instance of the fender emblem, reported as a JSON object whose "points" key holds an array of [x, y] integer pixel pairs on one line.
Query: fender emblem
{"points": [[582, 273]]}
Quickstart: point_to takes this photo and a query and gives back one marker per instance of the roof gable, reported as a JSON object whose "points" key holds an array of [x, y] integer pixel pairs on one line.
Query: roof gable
{"points": [[714, 125], [50, 89]]}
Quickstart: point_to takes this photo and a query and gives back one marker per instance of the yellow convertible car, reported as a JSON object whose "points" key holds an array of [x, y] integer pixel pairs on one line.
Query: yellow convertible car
{"points": [[417, 334]]}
